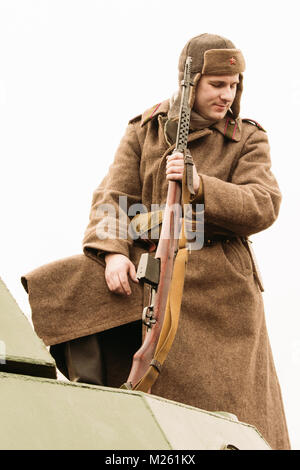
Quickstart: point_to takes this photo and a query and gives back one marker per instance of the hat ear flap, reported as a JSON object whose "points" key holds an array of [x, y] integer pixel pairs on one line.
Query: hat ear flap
{"points": [[195, 80], [195, 77], [235, 107]]}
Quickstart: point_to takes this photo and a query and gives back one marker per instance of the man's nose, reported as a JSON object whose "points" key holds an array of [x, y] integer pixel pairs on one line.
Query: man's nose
{"points": [[226, 94]]}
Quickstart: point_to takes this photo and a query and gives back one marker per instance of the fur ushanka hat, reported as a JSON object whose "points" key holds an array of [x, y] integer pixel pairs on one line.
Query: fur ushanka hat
{"points": [[213, 55]]}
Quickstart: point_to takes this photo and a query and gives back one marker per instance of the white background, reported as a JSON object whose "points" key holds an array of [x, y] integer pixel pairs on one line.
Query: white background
{"points": [[73, 72]]}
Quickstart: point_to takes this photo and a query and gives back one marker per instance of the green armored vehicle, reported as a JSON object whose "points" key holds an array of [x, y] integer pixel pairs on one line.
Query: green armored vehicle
{"points": [[37, 411]]}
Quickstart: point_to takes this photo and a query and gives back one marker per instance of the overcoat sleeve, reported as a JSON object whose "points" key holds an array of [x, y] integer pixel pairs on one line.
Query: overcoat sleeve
{"points": [[250, 202], [108, 222]]}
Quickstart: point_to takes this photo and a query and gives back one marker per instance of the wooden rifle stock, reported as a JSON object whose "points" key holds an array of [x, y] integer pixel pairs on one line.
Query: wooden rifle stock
{"points": [[166, 251]]}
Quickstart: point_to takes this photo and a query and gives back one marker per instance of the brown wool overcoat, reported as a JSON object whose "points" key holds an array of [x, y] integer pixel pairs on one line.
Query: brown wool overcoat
{"points": [[221, 358]]}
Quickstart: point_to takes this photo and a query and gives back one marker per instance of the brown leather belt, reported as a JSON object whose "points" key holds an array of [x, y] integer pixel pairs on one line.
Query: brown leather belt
{"points": [[209, 240], [213, 239]]}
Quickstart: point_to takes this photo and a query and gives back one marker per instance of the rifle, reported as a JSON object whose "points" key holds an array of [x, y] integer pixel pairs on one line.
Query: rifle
{"points": [[161, 316]]}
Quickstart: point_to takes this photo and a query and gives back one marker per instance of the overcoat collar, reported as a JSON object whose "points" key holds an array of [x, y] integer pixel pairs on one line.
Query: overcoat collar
{"points": [[229, 127]]}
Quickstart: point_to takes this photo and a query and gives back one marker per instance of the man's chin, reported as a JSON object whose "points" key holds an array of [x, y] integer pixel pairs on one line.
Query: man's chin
{"points": [[218, 115]]}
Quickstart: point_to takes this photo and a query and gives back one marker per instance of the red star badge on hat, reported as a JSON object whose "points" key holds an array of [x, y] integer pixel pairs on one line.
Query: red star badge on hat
{"points": [[232, 61]]}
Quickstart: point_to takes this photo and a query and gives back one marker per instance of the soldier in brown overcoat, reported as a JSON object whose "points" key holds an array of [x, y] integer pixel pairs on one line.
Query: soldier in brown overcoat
{"points": [[221, 358]]}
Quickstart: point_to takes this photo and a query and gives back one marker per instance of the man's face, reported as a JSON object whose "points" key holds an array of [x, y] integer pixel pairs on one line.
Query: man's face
{"points": [[215, 94]]}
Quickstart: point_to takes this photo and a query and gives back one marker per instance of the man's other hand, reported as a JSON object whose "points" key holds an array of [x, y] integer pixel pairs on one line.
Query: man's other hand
{"points": [[118, 267]]}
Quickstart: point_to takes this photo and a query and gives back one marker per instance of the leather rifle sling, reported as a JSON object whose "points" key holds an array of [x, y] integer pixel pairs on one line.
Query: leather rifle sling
{"points": [[172, 312]]}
